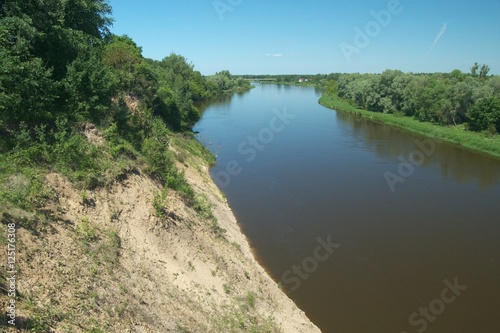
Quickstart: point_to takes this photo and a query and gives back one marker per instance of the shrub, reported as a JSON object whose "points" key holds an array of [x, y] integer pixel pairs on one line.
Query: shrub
{"points": [[485, 115]]}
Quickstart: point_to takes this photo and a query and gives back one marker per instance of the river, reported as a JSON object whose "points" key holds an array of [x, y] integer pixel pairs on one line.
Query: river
{"points": [[368, 228]]}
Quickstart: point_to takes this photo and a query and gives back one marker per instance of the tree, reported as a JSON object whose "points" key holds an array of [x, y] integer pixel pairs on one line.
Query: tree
{"points": [[27, 91], [460, 99], [130, 71], [443, 98], [485, 115], [430, 99], [494, 84], [457, 76], [481, 72], [88, 87], [332, 87], [485, 69], [474, 70], [399, 85], [39, 82]]}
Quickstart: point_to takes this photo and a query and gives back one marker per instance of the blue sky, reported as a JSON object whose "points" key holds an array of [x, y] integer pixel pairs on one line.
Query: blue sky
{"points": [[315, 36]]}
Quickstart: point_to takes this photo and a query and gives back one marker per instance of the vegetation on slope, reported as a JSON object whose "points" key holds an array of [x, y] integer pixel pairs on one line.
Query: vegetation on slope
{"points": [[61, 70], [82, 103]]}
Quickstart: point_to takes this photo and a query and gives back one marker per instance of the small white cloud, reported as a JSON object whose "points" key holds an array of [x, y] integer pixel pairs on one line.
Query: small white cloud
{"points": [[276, 55], [438, 37]]}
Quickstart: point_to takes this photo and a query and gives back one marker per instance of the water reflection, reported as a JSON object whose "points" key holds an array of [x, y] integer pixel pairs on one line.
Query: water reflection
{"points": [[224, 100], [454, 162]]}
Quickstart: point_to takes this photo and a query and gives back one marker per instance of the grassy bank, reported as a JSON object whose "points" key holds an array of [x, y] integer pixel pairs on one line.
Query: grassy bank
{"points": [[479, 142]]}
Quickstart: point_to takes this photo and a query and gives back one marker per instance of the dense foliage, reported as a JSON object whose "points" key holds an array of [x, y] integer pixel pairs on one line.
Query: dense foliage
{"points": [[447, 99], [59, 60], [63, 75], [60, 67], [50, 61]]}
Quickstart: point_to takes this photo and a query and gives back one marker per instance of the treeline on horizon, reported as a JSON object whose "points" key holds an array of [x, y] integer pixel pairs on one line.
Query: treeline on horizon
{"points": [[449, 99], [318, 80], [469, 99]]}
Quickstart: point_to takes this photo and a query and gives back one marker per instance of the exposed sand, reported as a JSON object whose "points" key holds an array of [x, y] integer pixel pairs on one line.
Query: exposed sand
{"points": [[166, 274]]}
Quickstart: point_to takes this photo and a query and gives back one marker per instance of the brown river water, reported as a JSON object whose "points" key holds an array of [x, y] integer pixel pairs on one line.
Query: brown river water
{"points": [[368, 228]]}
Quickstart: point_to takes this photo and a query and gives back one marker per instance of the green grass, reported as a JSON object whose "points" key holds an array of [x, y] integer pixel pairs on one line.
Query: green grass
{"points": [[244, 319], [187, 145], [480, 142], [227, 289], [159, 203]]}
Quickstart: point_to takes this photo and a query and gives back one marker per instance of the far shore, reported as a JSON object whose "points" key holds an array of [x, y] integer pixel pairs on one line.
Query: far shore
{"points": [[479, 142]]}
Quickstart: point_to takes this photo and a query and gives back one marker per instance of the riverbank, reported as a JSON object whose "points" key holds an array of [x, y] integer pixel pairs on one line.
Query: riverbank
{"points": [[478, 142], [134, 256]]}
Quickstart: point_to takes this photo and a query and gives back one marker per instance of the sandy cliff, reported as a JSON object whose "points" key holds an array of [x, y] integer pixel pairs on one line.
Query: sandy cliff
{"points": [[125, 259]]}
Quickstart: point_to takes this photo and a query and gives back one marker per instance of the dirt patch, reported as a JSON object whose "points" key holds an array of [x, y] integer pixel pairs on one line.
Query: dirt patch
{"points": [[93, 135]]}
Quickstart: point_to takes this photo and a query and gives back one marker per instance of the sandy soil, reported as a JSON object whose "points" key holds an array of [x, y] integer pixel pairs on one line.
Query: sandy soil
{"points": [[111, 263]]}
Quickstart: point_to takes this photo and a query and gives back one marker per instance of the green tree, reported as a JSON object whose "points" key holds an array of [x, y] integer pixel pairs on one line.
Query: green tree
{"points": [[48, 48], [332, 87], [131, 73], [88, 87], [485, 115], [442, 98], [429, 99], [27, 91], [479, 71], [457, 76], [485, 69], [399, 85], [474, 70], [494, 84], [460, 99]]}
